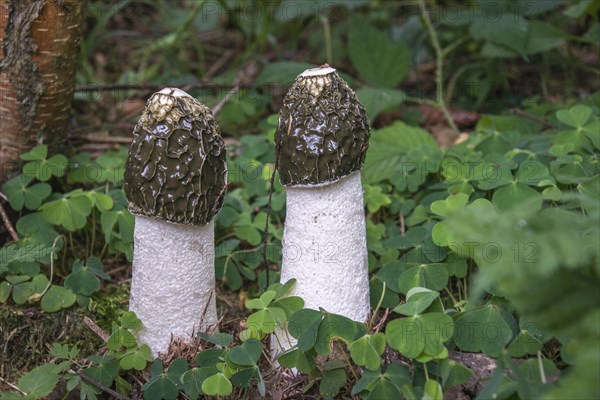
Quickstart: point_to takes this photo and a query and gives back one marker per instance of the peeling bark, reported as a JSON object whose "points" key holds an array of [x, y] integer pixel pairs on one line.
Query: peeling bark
{"points": [[39, 44]]}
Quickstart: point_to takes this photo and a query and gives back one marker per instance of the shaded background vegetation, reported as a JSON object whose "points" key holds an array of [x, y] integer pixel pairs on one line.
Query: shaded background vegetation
{"points": [[491, 82]]}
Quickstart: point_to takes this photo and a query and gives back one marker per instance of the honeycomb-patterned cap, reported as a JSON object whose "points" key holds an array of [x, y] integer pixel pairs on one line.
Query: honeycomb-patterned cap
{"points": [[176, 170], [323, 130]]}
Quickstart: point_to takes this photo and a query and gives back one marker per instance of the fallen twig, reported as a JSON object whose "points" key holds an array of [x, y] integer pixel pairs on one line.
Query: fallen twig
{"points": [[13, 386], [96, 329], [6, 220], [107, 139], [531, 117], [146, 86], [99, 385]]}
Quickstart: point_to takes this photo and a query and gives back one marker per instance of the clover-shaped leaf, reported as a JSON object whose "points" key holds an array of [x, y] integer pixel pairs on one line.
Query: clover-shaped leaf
{"points": [[210, 358], [219, 338], [20, 194], [531, 173], [334, 326], [418, 299], [57, 297], [160, 387], [247, 353], [136, 358], [367, 350], [375, 198], [38, 153], [333, 378], [267, 319], [217, 385], [40, 167], [421, 334], [296, 358], [105, 371], [103, 202], [473, 328], [517, 196], [121, 218], [128, 320], [262, 302], [450, 204], [431, 276], [83, 280], [120, 337], [576, 117], [289, 304], [192, 380], [70, 212]]}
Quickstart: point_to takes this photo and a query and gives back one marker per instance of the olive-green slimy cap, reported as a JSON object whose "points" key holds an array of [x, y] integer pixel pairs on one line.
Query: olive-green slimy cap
{"points": [[323, 130], [176, 170]]}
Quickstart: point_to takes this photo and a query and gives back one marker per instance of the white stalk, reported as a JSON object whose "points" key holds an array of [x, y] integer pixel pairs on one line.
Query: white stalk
{"points": [[173, 284], [325, 249], [323, 134]]}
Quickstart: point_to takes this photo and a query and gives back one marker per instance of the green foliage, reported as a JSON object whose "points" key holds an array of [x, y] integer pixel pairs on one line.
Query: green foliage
{"points": [[489, 246], [384, 64], [58, 216]]}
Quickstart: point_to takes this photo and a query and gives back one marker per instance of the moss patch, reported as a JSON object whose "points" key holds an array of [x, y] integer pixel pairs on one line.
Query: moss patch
{"points": [[27, 335]]}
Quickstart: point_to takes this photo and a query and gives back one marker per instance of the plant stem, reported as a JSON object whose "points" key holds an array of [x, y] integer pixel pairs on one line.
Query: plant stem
{"points": [[450, 294], [93, 233], [426, 372], [376, 308], [51, 265], [439, 66], [327, 34], [71, 243], [541, 366], [345, 357]]}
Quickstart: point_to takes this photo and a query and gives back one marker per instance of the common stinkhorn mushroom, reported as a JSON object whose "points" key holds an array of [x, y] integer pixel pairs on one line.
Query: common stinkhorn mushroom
{"points": [[322, 137], [175, 179]]}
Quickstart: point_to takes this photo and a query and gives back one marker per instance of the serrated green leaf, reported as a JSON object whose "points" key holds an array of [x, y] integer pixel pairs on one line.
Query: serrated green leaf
{"points": [[388, 148], [40, 381], [378, 60], [376, 99]]}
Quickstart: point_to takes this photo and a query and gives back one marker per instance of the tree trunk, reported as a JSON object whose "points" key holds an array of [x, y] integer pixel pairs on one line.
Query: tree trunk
{"points": [[39, 44]]}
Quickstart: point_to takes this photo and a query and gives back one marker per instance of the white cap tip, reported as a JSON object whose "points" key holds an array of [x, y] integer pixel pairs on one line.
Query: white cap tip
{"points": [[175, 92], [319, 71]]}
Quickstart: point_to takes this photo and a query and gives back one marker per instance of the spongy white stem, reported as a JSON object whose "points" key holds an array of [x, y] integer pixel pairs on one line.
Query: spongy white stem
{"points": [[325, 249], [173, 284]]}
